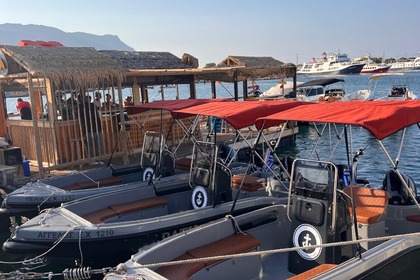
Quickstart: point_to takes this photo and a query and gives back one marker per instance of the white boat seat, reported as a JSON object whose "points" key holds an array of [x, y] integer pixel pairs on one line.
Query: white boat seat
{"points": [[234, 244], [370, 203], [109, 181], [250, 183], [99, 216], [313, 272]]}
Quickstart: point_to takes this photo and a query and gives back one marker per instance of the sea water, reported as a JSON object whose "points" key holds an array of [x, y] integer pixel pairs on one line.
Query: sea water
{"points": [[372, 165]]}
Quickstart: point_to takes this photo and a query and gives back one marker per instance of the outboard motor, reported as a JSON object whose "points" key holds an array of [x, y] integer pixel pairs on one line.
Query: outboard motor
{"points": [[319, 215], [398, 194]]}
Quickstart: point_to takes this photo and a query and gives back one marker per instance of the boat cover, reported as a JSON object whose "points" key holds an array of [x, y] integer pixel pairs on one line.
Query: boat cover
{"points": [[240, 114], [381, 118], [170, 105], [320, 82]]}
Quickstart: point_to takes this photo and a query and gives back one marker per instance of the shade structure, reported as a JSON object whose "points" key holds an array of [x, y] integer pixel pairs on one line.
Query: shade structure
{"points": [[240, 114], [381, 118], [171, 105]]}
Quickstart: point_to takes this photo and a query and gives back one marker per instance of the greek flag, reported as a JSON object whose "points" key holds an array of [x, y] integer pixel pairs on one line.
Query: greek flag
{"points": [[268, 161]]}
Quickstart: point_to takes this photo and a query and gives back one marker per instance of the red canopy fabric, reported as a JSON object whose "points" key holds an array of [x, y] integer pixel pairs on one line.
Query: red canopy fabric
{"points": [[381, 118], [170, 105], [240, 114]]}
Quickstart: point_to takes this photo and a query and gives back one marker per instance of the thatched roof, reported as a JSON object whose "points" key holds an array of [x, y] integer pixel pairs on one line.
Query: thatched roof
{"points": [[146, 60], [61, 64], [249, 61]]}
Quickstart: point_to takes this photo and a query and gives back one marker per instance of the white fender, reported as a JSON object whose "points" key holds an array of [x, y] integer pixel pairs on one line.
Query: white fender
{"points": [[147, 173], [199, 197]]}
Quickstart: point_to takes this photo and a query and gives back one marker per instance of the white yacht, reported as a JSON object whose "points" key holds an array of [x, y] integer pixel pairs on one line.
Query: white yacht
{"points": [[334, 63]]}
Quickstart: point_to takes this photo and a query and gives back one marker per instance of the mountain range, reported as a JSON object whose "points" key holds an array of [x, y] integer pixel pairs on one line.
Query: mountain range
{"points": [[12, 33]]}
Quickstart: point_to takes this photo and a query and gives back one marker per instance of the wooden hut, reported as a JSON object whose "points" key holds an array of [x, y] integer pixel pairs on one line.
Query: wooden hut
{"points": [[57, 136]]}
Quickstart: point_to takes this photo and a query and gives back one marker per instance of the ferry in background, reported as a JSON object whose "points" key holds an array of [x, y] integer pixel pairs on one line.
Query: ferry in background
{"points": [[411, 65], [372, 66], [331, 64]]}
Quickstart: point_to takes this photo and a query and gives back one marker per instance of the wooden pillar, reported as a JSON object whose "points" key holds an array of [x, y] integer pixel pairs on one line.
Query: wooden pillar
{"points": [[235, 85], [245, 89], [35, 127], [52, 116], [121, 127], [213, 89], [3, 129], [144, 94], [136, 92], [193, 94]]}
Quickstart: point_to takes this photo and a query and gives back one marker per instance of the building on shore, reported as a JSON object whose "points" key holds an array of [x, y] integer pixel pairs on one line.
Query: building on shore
{"points": [[58, 80]]}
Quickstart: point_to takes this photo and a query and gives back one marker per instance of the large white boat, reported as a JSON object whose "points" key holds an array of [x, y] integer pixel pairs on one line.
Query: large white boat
{"points": [[410, 65], [331, 64]]}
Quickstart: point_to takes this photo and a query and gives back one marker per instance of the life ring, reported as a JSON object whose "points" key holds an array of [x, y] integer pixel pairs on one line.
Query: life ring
{"points": [[148, 173], [199, 197]]}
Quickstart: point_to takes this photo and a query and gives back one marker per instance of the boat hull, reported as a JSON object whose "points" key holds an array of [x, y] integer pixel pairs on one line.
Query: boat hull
{"points": [[102, 243], [348, 70]]}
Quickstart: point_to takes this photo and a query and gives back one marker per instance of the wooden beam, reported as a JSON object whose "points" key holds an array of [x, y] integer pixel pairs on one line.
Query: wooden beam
{"points": [[35, 127]]}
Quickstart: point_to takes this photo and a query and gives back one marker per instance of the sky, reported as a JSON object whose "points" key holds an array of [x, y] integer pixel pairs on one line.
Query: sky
{"points": [[210, 30]]}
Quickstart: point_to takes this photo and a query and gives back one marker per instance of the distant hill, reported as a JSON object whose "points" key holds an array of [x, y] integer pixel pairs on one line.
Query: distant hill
{"points": [[11, 34]]}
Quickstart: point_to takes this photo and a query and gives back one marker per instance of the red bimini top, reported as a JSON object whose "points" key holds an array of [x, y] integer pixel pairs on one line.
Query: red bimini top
{"points": [[381, 118]]}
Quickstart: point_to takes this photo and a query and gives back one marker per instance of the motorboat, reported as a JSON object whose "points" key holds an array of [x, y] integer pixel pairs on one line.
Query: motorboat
{"points": [[330, 227], [156, 160], [320, 90], [114, 224], [371, 66], [331, 64], [404, 66], [399, 89], [361, 94], [282, 90]]}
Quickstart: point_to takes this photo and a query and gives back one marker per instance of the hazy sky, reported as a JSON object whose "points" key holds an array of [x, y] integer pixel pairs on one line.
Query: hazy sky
{"points": [[290, 31]]}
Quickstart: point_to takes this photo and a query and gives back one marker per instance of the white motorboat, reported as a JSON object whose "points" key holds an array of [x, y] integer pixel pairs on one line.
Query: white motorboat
{"points": [[282, 90], [156, 160], [329, 229], [114, 224], [331, 64], [399, 89], [320, 90]]}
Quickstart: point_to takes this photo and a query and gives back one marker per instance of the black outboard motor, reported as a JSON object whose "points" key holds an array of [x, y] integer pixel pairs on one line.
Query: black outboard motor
{"points": [[398, 194], [319, 215]]}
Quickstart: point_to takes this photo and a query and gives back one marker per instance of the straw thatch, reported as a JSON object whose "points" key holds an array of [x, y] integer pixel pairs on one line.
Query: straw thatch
{"points": [[62, 64], [249, 61], [146, 60]]}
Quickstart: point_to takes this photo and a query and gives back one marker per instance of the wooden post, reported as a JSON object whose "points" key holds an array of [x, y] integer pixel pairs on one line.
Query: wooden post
{"points": [[193, 94], [35, 127], [52, 116], [3, 129], [245, 89], [213, 89], [121, 128], [235, 85], [144, 95], [136, 93]]}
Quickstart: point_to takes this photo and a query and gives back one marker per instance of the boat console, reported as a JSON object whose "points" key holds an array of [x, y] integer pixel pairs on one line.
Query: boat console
{"points": [[319, 215]]}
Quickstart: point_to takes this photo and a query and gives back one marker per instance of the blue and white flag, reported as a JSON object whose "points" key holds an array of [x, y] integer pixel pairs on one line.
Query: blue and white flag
{"points": [[268, 161]]}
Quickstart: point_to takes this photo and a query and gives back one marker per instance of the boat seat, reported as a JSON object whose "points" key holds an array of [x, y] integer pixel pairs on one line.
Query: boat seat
{"points": [[183, 164], [99, 216], [313, 272], [109, 181], [370, 203], [413, 218], [250, 183], [234, 244]]}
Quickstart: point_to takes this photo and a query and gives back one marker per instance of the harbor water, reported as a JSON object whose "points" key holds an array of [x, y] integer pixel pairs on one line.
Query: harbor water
{"points": [[372, 165]]}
